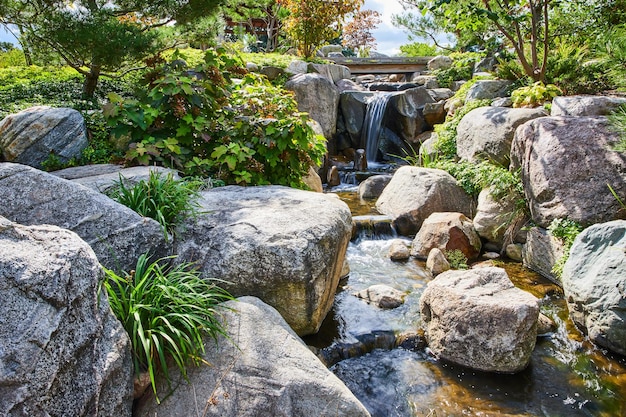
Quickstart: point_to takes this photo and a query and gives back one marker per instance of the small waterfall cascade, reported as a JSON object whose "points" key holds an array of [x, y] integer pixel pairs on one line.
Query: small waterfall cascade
{"points": [[372, 124]]}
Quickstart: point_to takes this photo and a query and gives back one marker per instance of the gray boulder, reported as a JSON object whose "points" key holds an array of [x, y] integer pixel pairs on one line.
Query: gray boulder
{"points": [[261, 369], [62, 352], [541, 252], [415, 193], [332, 72], [479, 319], [373, 186], [382, 296], [488, 89], [353, 107], [566, 164], [30, 136], [271, 72], [317, 96], [439, 62], [283, 245], [405, 112], [436, 262], [585, 105], [117, 234], [493, 216], [448, 232], [486, 133], [594, 284]]}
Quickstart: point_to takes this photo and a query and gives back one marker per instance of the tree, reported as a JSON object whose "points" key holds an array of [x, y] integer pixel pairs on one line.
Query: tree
{"points": [[98, 37], [357, 34], [311, 22], [270, 12], [524, 24]]}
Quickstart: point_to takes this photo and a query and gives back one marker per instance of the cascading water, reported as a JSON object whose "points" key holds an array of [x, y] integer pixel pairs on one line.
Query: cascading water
{"points": [[372, 124]]}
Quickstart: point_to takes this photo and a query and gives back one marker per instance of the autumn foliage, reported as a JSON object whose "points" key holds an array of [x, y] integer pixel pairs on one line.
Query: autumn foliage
{"points": [[312, 22], [357, 34]]}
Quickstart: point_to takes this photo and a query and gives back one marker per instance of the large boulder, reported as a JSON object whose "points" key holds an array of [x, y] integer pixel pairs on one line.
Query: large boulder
{"points": [[62, 351], [415, 193], [479, 319], [404, 115], [261, 368], [117, 234], [283, 245], [353, 107], [488, 89], [332, 72], [594, 284], [439, 62], [486, 133], [585, 105], [566, 166], [317, 96], [447, 232], [541, 252], [372, 187], [32, 135]]}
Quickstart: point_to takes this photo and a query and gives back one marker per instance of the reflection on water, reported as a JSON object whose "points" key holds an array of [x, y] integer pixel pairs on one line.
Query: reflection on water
{"points": [[567, 376]]}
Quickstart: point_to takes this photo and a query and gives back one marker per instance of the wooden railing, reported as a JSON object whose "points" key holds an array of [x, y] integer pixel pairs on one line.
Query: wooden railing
{"points": [[390, 65]]}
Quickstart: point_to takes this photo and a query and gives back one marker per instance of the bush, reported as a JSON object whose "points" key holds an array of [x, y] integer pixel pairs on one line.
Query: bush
{"points": [[617, 119], [197, 121], [166, 311], [162, 198], [534, 95], [462, 68], [419, 49], [456, 259], [566, 231]]}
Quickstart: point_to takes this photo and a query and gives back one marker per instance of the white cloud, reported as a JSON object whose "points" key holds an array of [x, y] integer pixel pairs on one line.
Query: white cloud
{"points": [[388, 37]]}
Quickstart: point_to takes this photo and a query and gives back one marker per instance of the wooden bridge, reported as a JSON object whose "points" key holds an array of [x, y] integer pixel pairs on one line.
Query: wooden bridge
{"points": [[391, 65]]}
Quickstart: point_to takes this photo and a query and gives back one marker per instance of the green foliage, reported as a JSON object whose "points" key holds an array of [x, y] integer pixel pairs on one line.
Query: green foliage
{"points": [[267, 59], [565, 230], [12, 58], [419, 49], [166, 312], [194, 120], [457, 259], [534, 95], [162, 198], [572, 68], [473, 178], [445, 146], [617, 119], [613, 54], [462, 68]]}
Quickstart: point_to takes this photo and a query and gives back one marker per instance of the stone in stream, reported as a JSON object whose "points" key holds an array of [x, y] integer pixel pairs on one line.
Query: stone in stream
{"points": [[479, 319], [399, 250], [448, 232], [382, 296]]}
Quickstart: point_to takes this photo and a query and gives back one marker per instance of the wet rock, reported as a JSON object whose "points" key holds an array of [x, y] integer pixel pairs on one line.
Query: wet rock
{"points": [[353, 106], [373, 187], [382, 296], [405, 112], [372, 225], [479, 319], [545, 325], [514, 251], [594, 284], [486, 133], [117, 234], [317, 96], [364, 344], [566, 164], [62, 350], [541, 252], [332, 178], [585, 105], [436, 262], [415, 193], [399, 251], [292, 260], [488, 89], [32, 135], [448, 232], [261, 369]]}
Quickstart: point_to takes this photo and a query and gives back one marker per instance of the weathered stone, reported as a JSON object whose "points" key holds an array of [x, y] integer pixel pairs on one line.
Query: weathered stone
{"points": [[313, 181], [317, 96], [297, 67], [283, 245], [62, 351], [32, 135], [272, 72], [514, 251], [252, 67], [372, 225], [353, 106], [382, 296], [487, 64], [448, 232], [327, 49], [585, 105], [488, 89], [440, 94], [332, 72], [436, 262], [486, 133], [262, 369], [439, 62], [399, 251], [594, 284], [477, 318], [566, 164], [427, 149], [456, 85], [541, 252], [502, 102], [545, 325], [428, 81], [493, 216], [405, 112], [373, 187], [434, 113], [103, 178], [415, 193], [348, 85], [117, 234]]}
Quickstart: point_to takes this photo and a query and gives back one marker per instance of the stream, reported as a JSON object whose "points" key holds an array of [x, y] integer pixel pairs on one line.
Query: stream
{"points": [[567, 376]]}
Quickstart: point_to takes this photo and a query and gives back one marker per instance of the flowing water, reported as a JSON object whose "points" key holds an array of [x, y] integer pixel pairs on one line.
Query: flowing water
{"points": [[567, 376], [372, 124]]}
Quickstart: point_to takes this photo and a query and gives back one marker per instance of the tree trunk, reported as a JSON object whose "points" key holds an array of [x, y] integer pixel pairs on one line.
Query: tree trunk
{"points": [[91, 81]]}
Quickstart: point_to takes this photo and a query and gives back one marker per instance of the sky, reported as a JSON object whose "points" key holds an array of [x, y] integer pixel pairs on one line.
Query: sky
{"points": [[388, 37]]}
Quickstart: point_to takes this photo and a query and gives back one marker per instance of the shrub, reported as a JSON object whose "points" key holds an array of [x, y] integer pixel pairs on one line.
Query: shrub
{"points": [[617, 120], [534, 95], [162, 198], [166, 311], [462, 68], [566, 231], [419, 49], [456, 259]]}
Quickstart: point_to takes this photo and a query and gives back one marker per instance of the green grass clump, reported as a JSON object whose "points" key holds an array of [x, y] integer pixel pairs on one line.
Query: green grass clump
{"points": [[617, 120], [456, 259], [565, 230], [162, 198], [166, 311]]}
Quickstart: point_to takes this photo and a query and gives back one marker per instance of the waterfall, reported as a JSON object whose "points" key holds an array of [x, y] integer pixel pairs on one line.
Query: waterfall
{"points": [[372, 124]]}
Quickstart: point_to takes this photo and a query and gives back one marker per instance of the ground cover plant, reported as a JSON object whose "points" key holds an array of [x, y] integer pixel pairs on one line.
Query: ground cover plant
{"points": [[167, 310]]}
